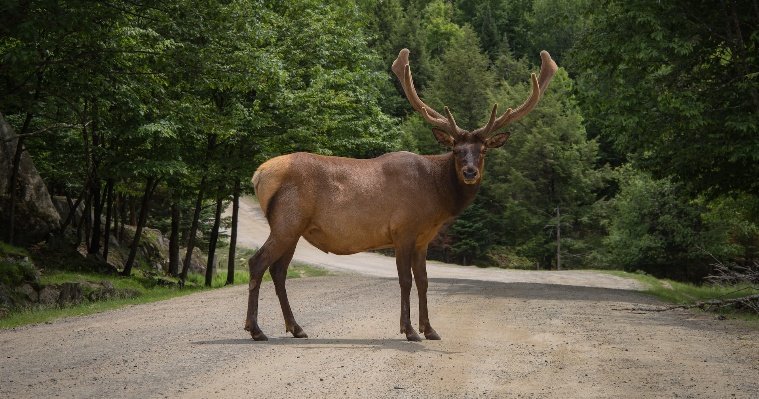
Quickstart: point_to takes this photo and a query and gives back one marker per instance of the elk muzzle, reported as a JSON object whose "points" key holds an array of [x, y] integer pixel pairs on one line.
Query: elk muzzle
{"points": [[470, 175]]}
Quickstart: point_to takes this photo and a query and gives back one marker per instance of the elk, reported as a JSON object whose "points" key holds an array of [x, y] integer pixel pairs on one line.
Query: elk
{"points": [[398, 200]]}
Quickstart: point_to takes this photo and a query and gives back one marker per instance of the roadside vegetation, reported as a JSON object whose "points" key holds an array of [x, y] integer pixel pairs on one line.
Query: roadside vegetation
{"points": [[717, 298], [143, 286]]}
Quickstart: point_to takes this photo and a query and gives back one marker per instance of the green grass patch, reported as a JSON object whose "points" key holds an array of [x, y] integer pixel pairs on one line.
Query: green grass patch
{"points": [[10, 250], [148, 288], [16, 267], [685, 293]]}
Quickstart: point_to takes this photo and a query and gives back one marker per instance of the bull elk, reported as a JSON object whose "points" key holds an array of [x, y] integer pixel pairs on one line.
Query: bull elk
{"points": [[398, 200]]}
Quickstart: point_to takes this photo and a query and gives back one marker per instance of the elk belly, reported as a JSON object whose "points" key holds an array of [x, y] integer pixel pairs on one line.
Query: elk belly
{"points": [[347, 239]]}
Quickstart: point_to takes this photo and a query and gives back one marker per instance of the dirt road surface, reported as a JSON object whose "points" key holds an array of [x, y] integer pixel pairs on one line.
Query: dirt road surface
{"points": [[520, 335]]}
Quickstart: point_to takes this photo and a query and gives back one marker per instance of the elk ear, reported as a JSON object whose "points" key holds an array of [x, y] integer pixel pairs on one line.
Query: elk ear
{"points": [[443, 137], [497, 140]]}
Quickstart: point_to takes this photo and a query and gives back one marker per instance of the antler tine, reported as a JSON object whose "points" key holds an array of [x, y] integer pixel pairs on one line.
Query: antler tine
{"points": [[452, 122], [484, 131], [539, 85], [402, 70]]}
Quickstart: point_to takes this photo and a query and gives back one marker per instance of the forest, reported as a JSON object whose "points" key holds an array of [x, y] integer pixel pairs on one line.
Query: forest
{"points": [[642, 155]]}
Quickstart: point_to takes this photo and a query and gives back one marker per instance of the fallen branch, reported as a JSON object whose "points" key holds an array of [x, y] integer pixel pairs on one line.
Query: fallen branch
{"points": [[750, 302]]}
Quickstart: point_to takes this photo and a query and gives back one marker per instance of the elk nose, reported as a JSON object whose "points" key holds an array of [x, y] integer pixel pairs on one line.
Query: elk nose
{"points": [[470, 173]]}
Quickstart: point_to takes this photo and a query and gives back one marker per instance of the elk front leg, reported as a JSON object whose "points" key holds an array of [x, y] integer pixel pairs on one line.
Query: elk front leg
{"points": [[403, 260], [278, 273], [420, 277]]}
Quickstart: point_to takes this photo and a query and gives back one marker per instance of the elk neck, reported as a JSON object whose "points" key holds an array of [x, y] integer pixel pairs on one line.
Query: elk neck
{"points": [[456, 195]]}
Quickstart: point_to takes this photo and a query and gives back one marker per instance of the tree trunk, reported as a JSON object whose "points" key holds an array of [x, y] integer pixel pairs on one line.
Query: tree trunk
{"points": [[132, 212], [233, 234], [558, 238], [196, 214], [16, 165], [193, 231], [213, 240], [72, 210], [108, 216], [115, 204], [84, 220], [174, 239], [150, 186], [87, 217], [12, 189], [123, 212], [97, 205], [97, 208]]}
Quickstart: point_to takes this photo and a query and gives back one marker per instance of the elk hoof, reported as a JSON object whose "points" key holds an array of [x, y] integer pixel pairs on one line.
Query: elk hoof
{"points": [[413, 336], [431, 335], [259, 336], [298, 332]]}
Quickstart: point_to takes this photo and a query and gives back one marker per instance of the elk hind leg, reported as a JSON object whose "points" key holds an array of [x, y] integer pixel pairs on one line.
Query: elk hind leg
{"points": [[278, 272], [272, 250]]}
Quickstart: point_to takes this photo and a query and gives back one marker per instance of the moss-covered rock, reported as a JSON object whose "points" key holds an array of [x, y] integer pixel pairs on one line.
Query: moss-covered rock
{"points": [[16, 268]]}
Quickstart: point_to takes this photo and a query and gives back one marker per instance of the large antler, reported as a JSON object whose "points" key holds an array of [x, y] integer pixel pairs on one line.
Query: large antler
{"points": [[402, 70], [539, 85]]}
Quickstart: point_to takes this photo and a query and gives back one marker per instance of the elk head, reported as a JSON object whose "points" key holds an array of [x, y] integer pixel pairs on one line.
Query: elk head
{"points": [[469, 147]]}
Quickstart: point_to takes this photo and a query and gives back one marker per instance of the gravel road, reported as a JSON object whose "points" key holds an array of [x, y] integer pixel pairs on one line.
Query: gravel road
{"points": [[521, 335]]}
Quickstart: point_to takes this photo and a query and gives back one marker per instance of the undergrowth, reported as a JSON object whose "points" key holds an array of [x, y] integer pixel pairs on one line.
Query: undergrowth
{"points": [[680, 293], [148, 287]]}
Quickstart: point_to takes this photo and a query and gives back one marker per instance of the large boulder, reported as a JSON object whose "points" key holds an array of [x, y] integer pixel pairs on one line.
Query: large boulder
{"points": [[35, 215]]}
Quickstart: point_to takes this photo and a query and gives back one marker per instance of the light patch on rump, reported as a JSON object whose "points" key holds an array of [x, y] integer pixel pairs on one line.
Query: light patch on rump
{"points": [[267, 177]]}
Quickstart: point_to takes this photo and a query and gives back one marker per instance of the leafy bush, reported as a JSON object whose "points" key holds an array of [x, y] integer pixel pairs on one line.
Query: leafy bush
{"points": [[505, 258], [655, 228], [15, 266]]}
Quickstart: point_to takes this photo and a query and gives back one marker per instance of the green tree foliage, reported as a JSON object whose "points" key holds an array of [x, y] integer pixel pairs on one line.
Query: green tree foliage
{"points": [[331, 103], [190, 96], [547, 163], [674, 86], [653, 226]]}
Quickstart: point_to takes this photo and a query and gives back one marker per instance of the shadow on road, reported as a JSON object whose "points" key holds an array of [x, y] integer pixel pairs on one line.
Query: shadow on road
{"points": [[537, 291], [333, 343]]}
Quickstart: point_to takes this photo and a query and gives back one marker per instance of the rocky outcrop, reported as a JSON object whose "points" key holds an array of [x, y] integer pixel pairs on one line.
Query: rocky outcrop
{"points": [[35, 215], [197, 262]]}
